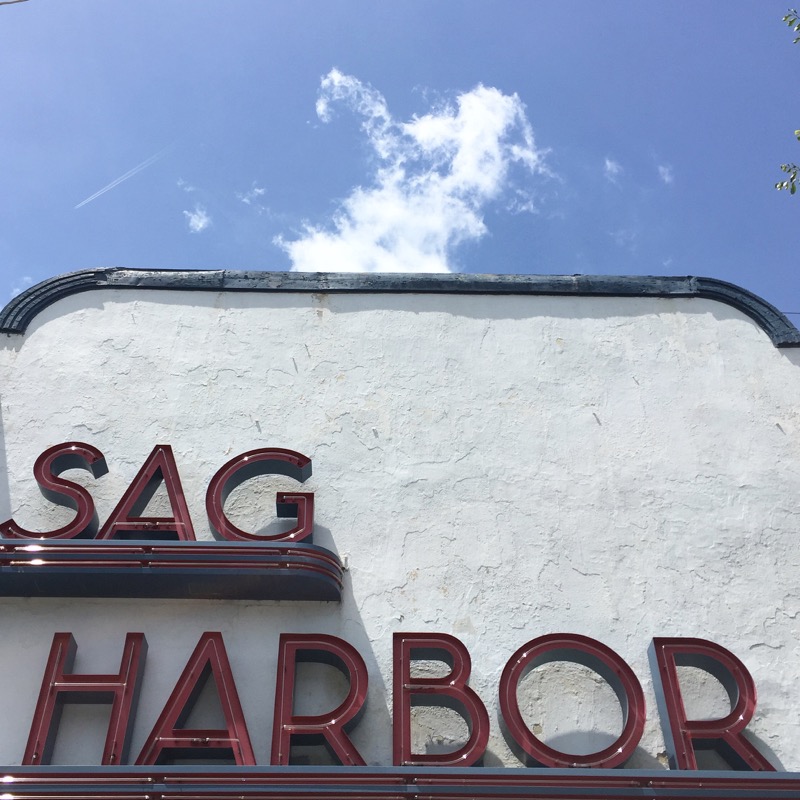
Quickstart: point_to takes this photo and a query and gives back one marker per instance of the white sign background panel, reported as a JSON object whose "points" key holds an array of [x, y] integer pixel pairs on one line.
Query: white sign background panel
{"points": [[493, 467]]}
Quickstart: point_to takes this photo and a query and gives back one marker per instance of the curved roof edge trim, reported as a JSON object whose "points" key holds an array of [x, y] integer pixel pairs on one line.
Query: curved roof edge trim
{"points": [[21, 310]]}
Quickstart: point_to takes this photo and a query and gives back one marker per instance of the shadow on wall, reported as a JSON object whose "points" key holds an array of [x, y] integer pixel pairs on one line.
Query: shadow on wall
{"points": [[320, 688], [792, 355], [502, 306], [581, 742], [5, 491]]}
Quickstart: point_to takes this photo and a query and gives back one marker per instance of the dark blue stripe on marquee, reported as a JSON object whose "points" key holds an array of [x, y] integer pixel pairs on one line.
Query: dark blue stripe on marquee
{"points": [[17, 315]]}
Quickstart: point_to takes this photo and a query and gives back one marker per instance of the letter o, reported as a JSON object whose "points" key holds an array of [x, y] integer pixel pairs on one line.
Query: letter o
{"points": [[578, 650]]}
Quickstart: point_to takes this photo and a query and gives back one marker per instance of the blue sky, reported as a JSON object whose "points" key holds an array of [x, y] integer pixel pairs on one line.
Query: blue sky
{"points": [[623, 137]]}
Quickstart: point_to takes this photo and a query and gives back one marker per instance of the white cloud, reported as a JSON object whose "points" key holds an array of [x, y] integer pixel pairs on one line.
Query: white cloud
{"points": [[249, 197], [21, 285], [434, 176], [665, 173], [626, 238], [187, 187], [198, 220], [612, 169]]}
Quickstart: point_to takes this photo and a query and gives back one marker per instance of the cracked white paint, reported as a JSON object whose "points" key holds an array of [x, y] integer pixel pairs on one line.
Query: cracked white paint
{"points": [[495, 467]]}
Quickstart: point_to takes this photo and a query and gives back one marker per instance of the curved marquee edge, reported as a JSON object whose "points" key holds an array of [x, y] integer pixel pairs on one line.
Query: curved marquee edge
{"points": [[18, 314], [212, 570]]}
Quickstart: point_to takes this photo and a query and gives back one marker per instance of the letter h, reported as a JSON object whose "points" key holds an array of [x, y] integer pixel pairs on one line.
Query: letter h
{"points": [[60, 686]]}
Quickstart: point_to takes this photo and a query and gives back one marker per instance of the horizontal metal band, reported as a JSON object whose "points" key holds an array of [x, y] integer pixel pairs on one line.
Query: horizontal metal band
{"points": [[207, 570], [345, 783], [18, 314]]}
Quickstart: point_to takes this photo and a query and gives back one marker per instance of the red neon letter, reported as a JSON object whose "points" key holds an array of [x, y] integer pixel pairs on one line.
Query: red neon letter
{"points": [[267, 461], [578, 650], [59, 686], [684, 736], [329, 729], [208, 658], [49, 465], [160, 465], [450, 691]]}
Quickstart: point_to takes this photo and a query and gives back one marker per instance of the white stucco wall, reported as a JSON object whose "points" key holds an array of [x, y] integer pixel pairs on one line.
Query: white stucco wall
{"points": [[497, 468]]}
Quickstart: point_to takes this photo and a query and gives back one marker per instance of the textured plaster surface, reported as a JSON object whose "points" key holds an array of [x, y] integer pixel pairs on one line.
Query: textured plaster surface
{"points": [[497, 468]]}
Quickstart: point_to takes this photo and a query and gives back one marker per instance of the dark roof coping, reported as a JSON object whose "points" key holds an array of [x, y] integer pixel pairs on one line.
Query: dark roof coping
{"points": [[17, 315]]}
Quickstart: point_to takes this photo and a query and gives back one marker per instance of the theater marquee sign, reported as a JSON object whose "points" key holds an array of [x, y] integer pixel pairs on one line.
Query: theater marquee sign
{"points": [[548, 547]]}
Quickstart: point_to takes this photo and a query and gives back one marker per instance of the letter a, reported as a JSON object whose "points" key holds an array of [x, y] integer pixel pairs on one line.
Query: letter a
{"points": [[125, 518], [169, 739]]}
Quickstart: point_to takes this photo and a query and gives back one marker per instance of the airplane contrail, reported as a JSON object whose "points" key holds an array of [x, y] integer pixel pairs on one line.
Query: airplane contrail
{"points": [[129, 174]]}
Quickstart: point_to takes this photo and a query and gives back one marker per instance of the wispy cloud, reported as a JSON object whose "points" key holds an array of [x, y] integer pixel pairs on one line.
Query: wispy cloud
{"points": [[198, 219], [249, 197], [435, 175], [187, 187], [129, 174], [612, 169], [21, 285], [626, 238], [665, 173]]}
